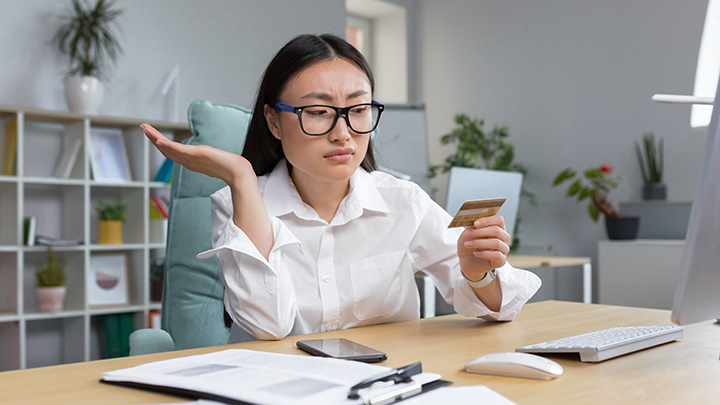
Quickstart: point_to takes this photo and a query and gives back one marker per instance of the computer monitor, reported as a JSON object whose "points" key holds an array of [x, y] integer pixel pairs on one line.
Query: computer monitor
{"points": [[477, 184], [697, 294]]}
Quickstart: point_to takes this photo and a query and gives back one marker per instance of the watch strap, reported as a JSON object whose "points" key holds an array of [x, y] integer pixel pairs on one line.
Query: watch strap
{"points": [[489, 277]]}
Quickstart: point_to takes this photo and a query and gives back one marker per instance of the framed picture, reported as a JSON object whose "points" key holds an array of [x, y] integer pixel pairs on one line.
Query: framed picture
{"points": [[107, 280], [109, 158]]}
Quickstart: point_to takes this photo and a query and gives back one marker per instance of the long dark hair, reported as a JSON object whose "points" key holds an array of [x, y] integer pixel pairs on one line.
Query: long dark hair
{"points": [[261, 148]]}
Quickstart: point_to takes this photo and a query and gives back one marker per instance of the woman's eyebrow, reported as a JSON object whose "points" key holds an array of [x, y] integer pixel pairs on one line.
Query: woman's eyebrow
{"points": [[327, 97], [357, 94]]}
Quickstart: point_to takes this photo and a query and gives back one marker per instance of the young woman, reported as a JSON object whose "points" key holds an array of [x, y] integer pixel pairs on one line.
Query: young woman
{"points": [[309, 237]]}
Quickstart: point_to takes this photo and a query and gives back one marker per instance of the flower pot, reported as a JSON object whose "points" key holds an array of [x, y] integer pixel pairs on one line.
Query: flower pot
{"points": [[110, 233], [83, 94], [51, 299], [622, 228], [654, 191]]}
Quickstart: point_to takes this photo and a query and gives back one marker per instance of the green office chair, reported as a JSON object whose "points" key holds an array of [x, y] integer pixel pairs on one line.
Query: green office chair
{"points": [[192, 303]]}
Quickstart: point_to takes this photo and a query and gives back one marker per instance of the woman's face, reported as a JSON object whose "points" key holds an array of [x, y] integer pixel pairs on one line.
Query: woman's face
{"points": [[335, 156]]}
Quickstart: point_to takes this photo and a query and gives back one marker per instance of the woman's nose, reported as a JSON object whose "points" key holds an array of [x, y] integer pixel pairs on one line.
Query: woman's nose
{"points": [[341, 132]]}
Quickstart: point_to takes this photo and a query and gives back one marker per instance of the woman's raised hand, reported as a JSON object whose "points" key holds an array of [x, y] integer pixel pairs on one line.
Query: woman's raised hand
{"points": [[203, 159], [483, 246]]}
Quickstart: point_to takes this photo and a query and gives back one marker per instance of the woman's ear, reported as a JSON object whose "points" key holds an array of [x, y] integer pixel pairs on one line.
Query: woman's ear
{"points": [[271, 118]]}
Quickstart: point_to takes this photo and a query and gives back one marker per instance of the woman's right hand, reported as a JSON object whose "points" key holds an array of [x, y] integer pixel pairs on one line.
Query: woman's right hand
{"points": [[226, 166]]}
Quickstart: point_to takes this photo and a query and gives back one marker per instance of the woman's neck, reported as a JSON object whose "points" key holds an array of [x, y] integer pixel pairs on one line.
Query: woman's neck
{"points": [[323, 196]]}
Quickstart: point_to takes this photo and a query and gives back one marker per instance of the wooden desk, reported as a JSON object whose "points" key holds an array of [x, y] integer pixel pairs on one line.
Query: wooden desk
{"points": [[680, 372], [531, 262]]}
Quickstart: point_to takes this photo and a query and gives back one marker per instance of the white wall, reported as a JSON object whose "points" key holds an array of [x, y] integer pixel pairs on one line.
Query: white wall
{"points": [[573, 81], [221, 46], [391, 58]]}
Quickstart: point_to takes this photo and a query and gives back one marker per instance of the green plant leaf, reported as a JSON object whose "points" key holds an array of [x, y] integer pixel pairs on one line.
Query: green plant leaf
{"points": [[593, 173], [574, 188], [51, 273], [564, 175], [585, 193], [594, 212], [86, 36], [111, 211]]}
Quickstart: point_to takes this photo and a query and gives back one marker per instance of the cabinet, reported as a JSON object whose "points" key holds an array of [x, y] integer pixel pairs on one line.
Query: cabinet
{"points": [[639, 273], [64, 209]]}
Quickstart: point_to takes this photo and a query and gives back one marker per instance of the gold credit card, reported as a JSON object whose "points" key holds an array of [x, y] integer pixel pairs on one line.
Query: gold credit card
{"points": [[472, 210]]}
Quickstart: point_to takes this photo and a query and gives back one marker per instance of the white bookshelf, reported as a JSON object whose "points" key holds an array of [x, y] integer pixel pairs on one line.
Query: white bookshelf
{"points": [[64, 209]]}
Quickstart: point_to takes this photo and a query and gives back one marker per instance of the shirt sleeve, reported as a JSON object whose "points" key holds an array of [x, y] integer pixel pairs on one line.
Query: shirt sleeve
{"points": [[434, 249], [259, 295]]}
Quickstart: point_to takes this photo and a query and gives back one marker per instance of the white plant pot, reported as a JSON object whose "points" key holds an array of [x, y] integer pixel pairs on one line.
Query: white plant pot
{"points": [[51, 299], [83, 94]]}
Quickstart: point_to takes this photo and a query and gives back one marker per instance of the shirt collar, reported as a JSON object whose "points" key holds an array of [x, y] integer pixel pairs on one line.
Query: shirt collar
{"points": [[281, 196]]}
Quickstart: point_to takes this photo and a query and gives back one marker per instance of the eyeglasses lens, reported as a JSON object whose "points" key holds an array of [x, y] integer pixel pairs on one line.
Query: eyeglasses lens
{"points": [[317, 120]]}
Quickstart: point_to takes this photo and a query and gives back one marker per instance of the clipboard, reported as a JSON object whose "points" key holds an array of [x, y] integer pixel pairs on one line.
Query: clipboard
{"points": [[241, 376]]}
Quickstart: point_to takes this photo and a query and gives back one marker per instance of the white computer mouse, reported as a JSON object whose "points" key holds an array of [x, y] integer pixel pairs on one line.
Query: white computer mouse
{"points": [[513, 364]]}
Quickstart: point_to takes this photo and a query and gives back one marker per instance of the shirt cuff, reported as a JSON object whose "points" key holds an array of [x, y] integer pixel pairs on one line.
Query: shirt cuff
{"points": [[517, 286], [233, 238]]}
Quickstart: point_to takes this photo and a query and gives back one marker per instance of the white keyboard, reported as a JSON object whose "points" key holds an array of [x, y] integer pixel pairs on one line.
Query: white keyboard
{"points": [[608, 343]]}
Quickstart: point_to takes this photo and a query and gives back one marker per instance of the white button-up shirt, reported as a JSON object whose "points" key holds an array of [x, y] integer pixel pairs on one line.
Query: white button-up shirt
{"points": [[356, 270]]}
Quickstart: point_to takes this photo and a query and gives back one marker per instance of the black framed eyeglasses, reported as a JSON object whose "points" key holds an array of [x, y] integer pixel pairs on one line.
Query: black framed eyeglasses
{"points": [[317, 120]]}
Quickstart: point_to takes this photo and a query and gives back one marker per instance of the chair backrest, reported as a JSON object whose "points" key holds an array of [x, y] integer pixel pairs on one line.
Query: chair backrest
{"points": [[192, 303], [478, 184]]}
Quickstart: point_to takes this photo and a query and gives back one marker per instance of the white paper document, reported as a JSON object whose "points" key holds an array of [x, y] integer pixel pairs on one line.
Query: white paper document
{"points": [[473, 394], [255, 377]]}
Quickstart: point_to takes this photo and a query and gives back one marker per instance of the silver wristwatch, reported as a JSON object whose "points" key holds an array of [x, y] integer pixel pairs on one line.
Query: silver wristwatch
{"points": [[489, 277]]}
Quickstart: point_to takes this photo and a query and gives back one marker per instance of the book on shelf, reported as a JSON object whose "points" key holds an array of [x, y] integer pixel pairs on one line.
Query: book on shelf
{"points": [[111, 347], [50, 241], [71, 151], [117, 329], [29, 230], [154, 317], [126, 329], [9, 152], [164, 174], [158, 208]]}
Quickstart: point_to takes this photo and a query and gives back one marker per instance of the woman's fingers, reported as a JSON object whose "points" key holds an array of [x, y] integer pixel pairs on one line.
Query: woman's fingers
{"points": [[491, 232], [175, 151], [493, 220], [487, 244], [153, 134]]}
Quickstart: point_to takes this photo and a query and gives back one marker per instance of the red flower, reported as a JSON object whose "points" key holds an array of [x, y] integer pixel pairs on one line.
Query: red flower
{"points": [[606, 168]]}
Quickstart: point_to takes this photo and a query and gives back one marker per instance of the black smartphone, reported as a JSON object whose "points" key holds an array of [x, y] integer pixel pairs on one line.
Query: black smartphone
{"points": [[341, 349]]}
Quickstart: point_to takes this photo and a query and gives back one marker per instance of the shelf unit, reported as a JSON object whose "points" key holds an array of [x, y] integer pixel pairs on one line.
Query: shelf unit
{"points": [[64, 209]]}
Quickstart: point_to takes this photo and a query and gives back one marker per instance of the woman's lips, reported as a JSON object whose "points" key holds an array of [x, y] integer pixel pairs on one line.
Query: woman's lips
{"points": [[340, 155]]}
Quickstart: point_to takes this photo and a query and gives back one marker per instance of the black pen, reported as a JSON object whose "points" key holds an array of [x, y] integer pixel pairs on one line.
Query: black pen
{"points": [[397, 375]]}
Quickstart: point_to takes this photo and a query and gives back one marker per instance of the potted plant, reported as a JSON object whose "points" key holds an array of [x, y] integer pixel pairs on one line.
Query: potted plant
{"points": [[50, 285], [651, 167], [86, 36], [477, 148], [110, 219], [595, 184]]}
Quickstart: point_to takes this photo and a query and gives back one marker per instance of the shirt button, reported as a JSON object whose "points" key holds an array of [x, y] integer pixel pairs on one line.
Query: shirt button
{"points": [[330, 327], [326, 279]]}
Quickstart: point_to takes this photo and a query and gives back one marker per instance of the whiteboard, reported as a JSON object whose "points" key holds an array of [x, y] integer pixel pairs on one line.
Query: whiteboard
{"points": [[401, 142]]}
